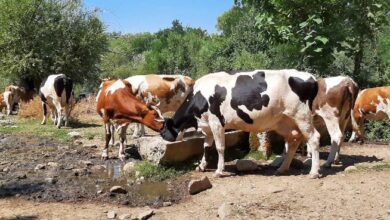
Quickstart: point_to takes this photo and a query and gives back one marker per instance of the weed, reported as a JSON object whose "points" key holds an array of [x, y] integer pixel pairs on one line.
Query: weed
{"points": [[155, 172]]}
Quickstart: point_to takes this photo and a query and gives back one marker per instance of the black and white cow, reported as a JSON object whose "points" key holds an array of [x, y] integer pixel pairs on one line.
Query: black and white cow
{"points": [[260, 100], [56, 92]]}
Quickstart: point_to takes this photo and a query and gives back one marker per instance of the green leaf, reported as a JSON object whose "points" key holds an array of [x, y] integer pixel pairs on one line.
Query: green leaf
{"points": [[303, 24], [318, 20], [318, 50], [324, 40]]}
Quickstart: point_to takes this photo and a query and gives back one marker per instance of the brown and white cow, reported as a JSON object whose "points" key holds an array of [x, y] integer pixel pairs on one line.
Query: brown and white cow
{"points": [[171, 90], [56, 92], [13, 95], [371, 104], [331, 109], [118, 107]]}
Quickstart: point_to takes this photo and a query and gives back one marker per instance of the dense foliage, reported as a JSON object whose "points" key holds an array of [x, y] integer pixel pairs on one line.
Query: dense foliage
{"points": [[43, 37]]}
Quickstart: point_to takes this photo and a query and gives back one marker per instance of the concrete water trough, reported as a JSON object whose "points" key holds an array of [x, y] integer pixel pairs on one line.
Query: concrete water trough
{"points": [[157, 150]]}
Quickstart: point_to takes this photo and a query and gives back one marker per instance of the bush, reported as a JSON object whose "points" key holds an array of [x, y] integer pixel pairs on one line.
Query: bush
{"points": [[377, 130], [31, 109], [155, 172]]}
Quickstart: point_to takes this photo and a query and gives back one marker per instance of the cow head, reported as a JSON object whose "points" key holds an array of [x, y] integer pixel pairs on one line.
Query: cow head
{"points": [[168, 132]]}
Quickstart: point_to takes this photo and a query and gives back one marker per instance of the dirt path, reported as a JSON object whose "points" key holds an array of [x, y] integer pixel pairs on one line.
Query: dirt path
{"points": [[361, 194]]}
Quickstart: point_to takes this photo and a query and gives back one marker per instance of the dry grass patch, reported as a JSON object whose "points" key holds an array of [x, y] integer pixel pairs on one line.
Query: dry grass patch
{"points": [[31, 109]]}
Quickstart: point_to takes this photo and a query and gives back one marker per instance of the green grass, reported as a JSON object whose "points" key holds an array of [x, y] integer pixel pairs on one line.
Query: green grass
{"points": [[154, 172], [380, 166], [34, 128]]}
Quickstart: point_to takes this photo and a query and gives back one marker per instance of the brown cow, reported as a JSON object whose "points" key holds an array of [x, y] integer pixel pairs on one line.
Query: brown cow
{"points": [[171, 90], [118, 107], [371, 104], [14, 94], [2, 103], [331, 109]]}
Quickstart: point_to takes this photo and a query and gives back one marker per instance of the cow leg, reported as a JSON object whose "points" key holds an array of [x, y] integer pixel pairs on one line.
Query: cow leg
{"points": [[9, 108], [66, 115], [108, 134], [122, 139], [332, 124], [139, 130], [44, 113], [293, 138], [208, 142], [219, 138], [59, 116], [112, 137]]}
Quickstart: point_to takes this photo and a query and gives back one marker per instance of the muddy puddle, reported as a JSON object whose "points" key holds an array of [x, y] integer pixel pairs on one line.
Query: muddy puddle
{"points": [[44, 169]]}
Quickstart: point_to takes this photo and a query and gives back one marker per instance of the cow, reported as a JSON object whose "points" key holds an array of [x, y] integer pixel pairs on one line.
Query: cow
{"points": [[171, 90], [331, 109], [371, 104], [254, 101], [13, 95], [2, 103], [118, 107], [56, 92]]}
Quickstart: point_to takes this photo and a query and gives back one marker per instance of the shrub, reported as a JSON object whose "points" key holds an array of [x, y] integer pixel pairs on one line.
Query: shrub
{"points": [[31, 109], [377, 130], [155, 172]]}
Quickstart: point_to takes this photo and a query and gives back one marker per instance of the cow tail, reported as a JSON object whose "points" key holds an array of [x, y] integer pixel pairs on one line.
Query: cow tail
{"points": [[354, 91]]}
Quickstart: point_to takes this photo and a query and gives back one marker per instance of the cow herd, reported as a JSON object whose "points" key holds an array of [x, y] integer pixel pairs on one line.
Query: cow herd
{"points": [[294, 104]]}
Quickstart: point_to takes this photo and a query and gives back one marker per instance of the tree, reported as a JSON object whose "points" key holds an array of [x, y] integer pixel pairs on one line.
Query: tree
{"points": [[43, 37]]}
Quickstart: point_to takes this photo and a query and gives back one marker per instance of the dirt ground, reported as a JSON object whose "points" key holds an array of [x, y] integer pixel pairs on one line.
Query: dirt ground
{"points": [[26, 193]]}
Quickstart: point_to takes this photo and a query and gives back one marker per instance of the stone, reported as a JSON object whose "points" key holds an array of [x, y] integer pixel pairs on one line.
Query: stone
{"points": [[74, 134], [129, 167], [159, 151], [124, 216], [6, 169], [118, 189], [99, 192], [145, 215], [52, 164], [307, 162], [51, 180], [21, 176], [97, 168], [40, 167], [166, 204], [350, 169], [111, 214], [86, 162], [196, 186], [297, 164], [90, 145], [246, 165], [277, 161], [224, 211], [79, 172]]}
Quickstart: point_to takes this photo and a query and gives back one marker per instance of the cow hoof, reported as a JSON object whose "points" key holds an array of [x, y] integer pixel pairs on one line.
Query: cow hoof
{"points": [[122, 157], [200, 169], [218, 174], [314, 176]]}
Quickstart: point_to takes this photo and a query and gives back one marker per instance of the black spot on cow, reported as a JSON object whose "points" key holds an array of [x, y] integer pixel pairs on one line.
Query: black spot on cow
{"points": [[216, 101], [305, 89], [62, 83], [247, 91], [185, 117]]}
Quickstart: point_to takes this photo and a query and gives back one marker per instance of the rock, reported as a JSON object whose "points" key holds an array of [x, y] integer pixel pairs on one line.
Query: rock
{"points": [[97, 168], [52, 164], [21, 176], [124, 216], [74, 134], [297, 164], [6, 169], [196, 186], [111, 214], [145, 215], [129, 167], [86, 162], [40, 167], [78, 142], [90, 145], [99, 192], [79, 172], [158, 151], [51, 180], [246, 165], [166, 204], [277, 161], [224, 211], [350, 169], [118, 189]]}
